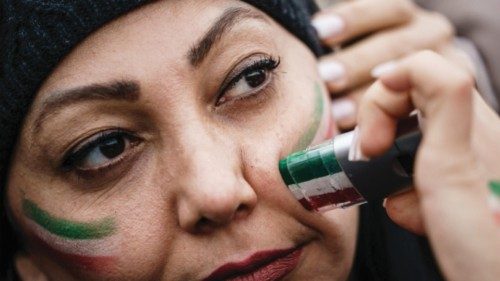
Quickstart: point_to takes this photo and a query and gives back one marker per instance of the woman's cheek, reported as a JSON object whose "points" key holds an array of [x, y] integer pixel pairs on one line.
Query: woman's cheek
{"points": [[319, 125], [326, 128], [89, 246]]}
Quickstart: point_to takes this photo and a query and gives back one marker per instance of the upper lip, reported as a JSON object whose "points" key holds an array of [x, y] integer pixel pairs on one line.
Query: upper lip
{"points": [[248, 265]]}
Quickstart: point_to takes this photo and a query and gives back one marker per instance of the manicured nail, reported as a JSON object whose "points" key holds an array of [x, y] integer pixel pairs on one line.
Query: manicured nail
{"points": [[328, 26], [343, 108], [355, 153], [331, 71], [383, 68]]}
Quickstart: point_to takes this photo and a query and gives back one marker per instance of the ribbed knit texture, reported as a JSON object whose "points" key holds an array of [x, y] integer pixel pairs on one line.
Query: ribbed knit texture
{"points": [[35, 35]]}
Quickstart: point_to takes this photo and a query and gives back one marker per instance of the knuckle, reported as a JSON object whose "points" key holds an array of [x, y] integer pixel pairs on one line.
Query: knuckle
{"points": [[424, 55], [442, 27], [404, 9], [459, 82], [464, 83], [459, 86]]}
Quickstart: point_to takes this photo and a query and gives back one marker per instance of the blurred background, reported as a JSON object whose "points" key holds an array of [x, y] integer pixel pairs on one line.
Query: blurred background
{"points": [[478, 22]]}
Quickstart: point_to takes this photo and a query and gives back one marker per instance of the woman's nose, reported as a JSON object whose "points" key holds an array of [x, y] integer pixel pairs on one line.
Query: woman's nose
{"points": [[213, 191]]}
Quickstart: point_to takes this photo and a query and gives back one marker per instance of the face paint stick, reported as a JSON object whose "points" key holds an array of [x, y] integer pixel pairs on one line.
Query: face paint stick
{"points": [[323, 178]]}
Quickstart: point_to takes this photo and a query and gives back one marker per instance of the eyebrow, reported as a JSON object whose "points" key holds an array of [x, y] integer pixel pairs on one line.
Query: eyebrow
{"points": [[130, 90], [117, 90], [229, 19]]}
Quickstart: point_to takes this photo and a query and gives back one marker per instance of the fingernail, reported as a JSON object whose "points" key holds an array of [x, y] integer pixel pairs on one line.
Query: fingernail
{"points": [[384, 203], [331, 71], [383, 68], [355, 153], [343, 109], [328, 25]]}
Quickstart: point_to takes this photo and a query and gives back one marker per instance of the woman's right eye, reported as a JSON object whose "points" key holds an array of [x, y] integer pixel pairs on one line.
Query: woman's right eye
{"points": [[250, 80], [104, 150]]}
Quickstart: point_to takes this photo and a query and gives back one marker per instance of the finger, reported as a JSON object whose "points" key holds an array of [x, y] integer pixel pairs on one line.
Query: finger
{"points": [[352, 66], [343, 21], [379, 111], [436, 87], [345, 108], [443, 93], [404, 210], [457, 56]]}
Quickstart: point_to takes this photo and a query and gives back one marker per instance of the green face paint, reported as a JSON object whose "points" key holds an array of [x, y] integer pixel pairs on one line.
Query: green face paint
{"points": [[66, 228], [306, 139], [495, 188], [494, 199]]}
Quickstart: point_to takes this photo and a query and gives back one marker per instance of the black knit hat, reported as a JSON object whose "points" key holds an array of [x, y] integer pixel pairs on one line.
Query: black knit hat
{"points": [[35, 35]]}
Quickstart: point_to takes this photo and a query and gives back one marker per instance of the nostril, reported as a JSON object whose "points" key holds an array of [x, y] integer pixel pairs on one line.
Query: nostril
{"points": [[204, 225], [242, 211]]}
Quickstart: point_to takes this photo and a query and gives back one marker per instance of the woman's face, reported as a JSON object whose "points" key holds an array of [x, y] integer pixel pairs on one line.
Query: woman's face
{"points": [[152, 153]]}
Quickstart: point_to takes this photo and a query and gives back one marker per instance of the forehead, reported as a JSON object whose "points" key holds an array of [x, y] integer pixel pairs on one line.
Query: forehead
{"points": [[162, 31]]}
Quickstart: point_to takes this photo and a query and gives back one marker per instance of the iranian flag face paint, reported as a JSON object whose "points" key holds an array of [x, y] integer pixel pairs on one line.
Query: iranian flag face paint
{"points": [[87, 245], [312, 133], [313, 175], [494, 200]]}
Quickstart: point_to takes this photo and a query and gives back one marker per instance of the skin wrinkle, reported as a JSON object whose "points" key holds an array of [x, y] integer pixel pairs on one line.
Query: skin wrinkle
{"points": [[122, 90]]}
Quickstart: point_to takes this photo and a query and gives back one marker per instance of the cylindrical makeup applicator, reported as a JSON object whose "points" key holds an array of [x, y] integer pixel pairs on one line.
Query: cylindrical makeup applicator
{"points": [[323, 177]]}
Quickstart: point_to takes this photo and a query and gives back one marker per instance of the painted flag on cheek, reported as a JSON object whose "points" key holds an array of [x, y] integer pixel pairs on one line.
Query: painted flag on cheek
{"points": [[494, 200], [87, 245]]}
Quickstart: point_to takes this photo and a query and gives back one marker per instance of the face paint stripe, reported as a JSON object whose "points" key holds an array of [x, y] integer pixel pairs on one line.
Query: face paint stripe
{"points": [[497, 217], [495, 188], [309, 135], [66, 228], [99, 247], [494, 199], [95, 263]]}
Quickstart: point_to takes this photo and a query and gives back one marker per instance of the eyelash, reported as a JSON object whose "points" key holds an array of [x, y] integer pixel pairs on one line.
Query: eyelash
{"points": [[77, 153], [267, 63]]}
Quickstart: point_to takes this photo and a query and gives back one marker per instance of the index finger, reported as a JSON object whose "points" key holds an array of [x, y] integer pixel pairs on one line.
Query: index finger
{"points": [[348, 20], [426, 81]]}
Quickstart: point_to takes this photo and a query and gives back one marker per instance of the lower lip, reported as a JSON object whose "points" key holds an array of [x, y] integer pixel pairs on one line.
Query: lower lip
{"points": [[275, 270]]}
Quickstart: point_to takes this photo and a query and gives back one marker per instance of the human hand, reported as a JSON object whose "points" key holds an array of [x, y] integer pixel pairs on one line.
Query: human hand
{"points": [[392, 28], [455, 161]]}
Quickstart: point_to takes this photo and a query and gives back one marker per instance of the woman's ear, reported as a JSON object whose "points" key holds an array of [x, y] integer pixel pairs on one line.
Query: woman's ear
{"points": [[27, 269]]}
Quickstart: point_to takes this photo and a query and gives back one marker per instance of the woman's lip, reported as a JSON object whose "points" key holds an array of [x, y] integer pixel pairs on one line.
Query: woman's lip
{"points": [[265, 265]]}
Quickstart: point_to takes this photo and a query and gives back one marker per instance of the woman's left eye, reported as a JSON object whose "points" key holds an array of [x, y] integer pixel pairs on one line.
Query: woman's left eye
{"points": [[249, 81], [100, 152]]}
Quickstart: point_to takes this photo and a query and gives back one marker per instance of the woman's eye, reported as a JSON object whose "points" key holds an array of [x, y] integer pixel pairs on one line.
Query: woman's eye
{"points": [[100, 152], [250, 81], [106, 151]]}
